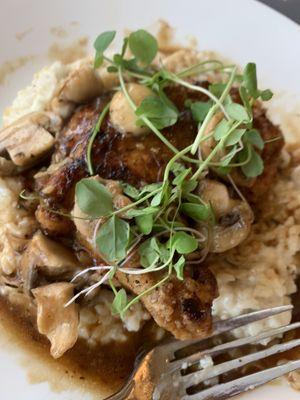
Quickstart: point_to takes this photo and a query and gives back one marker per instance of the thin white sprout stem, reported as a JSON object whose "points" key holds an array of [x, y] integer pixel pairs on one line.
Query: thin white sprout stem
{"points": [[102, 280], [89, 289], [190, 70], [237, 190], [204, 91], [148, 270], [93, 268]]}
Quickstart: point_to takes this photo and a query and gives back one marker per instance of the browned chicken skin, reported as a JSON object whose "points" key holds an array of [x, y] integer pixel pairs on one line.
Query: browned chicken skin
{"points": [[139, 160], [182, 307]]}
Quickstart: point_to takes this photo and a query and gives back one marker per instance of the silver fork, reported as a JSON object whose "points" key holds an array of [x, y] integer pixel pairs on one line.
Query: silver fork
{"points": [[163, 374]]}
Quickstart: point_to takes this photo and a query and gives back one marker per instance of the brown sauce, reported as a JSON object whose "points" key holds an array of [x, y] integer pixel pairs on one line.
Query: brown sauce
{"points": [[99, 370], [103, 370]]}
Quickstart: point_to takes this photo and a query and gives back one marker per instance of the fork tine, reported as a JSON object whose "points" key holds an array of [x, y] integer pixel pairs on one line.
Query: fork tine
{"points": [[240, 385], [223, 326], [236, 322], [199, 376], [225, 347]]}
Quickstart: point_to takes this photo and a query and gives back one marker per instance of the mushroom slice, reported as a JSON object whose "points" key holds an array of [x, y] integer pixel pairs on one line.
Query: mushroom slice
{"points": [[81, 85], [29, 138], [57, 322], [122, 116], [48, 258], [215, 193], [232, 228], [8, 168], [109, 80], [180, 59], [53, 224]]}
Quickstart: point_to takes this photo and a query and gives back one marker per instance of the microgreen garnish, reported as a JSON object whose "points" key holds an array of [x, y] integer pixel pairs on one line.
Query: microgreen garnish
{"points": [[119, 303], [200, 110], [101, 44], [112, 239], [88, 194], [157, 111], [254, 166], [93, 137], [143, 46], [250, 83], [164, 221]]}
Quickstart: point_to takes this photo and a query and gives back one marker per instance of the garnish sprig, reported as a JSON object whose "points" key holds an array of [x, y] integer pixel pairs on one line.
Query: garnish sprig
{"points": [[95, 132], [156, 223], [212, 111]]}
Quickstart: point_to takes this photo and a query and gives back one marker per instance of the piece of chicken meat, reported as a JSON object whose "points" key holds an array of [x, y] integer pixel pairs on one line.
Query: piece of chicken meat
{"points": [[182, 307]]}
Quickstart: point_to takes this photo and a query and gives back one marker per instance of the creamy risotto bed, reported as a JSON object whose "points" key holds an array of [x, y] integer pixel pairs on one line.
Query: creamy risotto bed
{"points": [[38, 260]]}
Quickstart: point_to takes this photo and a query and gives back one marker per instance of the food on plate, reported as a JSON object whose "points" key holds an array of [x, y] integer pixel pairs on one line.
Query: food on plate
{"points": [[142, 193]]}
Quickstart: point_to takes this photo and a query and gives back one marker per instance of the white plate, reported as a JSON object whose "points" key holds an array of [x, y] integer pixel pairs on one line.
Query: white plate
{"points": [[242, 30]]}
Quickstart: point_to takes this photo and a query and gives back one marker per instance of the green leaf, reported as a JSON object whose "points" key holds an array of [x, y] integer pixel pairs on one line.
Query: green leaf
{"points": [[136, 212], [143, 45], [157, 111], [118, 59], [93, 198], [101, 44], [191, 197], [130, 191], [266, 95], [177, 168], [198, 212], [104, 40], [253, 136], [164, 252], [222, 129], [250, 80], [119, 303], [157, 199], [200, 110], [150, 188], [149, 252], [217, 89], [223, 170], [184, 243], [237, 112], [234, 137], [179, 267], [112, 69], [254, 167], [165, 99], [181, 177], [238, 78], [189, 186], [229, 156], [132, 65], [112, 239], [145, 223]]}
